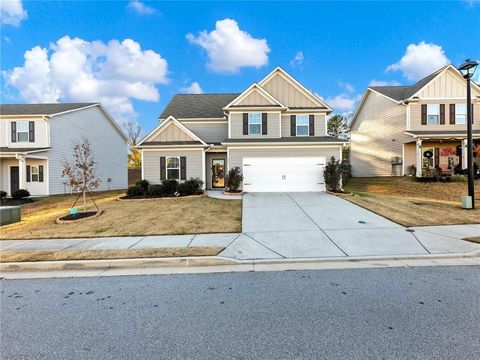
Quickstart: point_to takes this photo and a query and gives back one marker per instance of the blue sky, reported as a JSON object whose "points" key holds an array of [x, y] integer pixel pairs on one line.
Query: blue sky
{"points": [[134, 56]]}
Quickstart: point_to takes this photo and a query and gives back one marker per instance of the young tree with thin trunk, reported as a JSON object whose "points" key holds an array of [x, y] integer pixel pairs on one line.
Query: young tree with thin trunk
{"points": [[133, 130]]}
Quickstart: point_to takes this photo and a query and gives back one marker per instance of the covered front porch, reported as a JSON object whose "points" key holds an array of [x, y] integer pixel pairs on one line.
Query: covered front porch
{"points": [[429, 156], [23, 170]]}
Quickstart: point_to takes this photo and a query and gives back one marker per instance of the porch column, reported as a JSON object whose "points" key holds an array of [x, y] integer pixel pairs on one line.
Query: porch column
{"points": [[22, 172], [464, 154], [419, 157]]}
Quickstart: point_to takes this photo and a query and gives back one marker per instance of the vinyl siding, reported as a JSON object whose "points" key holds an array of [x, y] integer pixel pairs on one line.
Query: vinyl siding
{"points": [[447, 85], [210, 156], [319, 125], [377, 136], [151, 163], [109, 147], [172, 133], [41, 134], [255, 98], [273, 126], [410, 156], [236, 155], [5, 173], [210, 132], [286, 93], [35, 188]]}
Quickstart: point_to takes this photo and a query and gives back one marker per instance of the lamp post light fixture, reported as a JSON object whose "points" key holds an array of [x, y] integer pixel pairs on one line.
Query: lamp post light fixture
{"points": [[468, 70]]}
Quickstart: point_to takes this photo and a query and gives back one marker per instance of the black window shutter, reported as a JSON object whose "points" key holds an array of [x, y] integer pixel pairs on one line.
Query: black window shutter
{"points": [[245, 123], [293, 125], [183, 168], [264, 124], [14, 131], [424, 114], [311, 125], [452, 114], [28, 173], [442, 114], [31, 131], [40, 173], [472, 113], [162, 168]]}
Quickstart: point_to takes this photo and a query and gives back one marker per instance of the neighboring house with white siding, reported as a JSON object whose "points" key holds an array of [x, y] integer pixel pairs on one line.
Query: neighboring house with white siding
{"points": [[36, 140], [274, 131], [414, 130]]}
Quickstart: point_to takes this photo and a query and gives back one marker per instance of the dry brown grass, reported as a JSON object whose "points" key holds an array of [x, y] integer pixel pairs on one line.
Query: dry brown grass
{"points": [[475, 239], [21, 256], [125, 218], [410, 203]]}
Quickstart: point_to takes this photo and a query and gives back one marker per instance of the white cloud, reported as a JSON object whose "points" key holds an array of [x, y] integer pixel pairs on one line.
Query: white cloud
{"points": [[140, 8], [229, 48], [343, 102], [348, 87], [420, 60], [12, 12], [384, 83], [113, 73], [297, 59], [194, 88]]}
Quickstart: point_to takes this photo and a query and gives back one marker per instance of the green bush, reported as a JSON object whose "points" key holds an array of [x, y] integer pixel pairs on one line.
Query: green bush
{"points": [[169, 187], [155, 190], [3, 194], [144, 184], [346, 172], [20, 194], [184, 189], [459, 178], [194, 186], [135, 190], [233, 179], [333, 174]]}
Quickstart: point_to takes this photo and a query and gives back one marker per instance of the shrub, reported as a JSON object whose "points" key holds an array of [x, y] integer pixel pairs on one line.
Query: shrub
{"points": [[333, 174], [3, 194], [459, 178], [20, 194], [135, 190], [155, 190], [346, 172], [233, 179], [184, 189], [169, 187], [144, 184]]}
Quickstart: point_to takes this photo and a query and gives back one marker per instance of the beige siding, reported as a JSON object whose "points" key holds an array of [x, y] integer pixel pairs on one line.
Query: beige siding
{"points": [[410, 156], [209, 157], [151, 163], [172, 133], [255, 98], [377, 136], [286, 93], [319, 125], [447, 85], [273, 126], [416, 116], [208, 132], [35, 188], [236, 155], [41, 134]]}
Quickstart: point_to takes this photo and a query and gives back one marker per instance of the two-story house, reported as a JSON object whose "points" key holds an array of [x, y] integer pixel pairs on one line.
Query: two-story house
{"points": [[274, 131], [36, 140], [415, 130]]}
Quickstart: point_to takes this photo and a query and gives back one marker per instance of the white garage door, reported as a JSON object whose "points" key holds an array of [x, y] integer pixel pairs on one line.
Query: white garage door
{"points": [[283, 174]]}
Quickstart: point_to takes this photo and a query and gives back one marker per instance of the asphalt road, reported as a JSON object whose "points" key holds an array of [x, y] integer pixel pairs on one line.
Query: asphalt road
{"points": [[394, 313]]}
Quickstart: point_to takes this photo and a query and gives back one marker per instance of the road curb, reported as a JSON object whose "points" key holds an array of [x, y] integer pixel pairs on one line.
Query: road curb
{"points": [[206, 261]]}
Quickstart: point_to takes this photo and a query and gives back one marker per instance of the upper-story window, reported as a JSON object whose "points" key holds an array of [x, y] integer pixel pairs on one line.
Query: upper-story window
{"points": [[460, 113], [302, 125], [22, 131], [433, 114], [255, 123]]}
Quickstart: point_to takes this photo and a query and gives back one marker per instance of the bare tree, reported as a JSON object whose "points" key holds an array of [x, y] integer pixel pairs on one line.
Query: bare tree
{"points": [[81, 173], [133, 130]]}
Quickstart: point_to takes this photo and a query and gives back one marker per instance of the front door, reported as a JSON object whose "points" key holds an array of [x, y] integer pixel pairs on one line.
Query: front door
{"points": [[14, 179], [218, 173]]}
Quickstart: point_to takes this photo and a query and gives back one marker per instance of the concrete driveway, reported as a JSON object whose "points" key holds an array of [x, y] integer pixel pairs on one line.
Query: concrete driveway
{"points": [[307, 225]]}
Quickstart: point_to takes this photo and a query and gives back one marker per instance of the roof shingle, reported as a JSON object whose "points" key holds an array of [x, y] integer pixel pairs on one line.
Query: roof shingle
{"points": [[39, 109], [190, 106]]}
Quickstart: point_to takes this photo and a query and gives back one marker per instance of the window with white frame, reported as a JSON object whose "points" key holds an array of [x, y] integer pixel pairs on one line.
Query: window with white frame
{"points": [[22, 131], [255, 123], [34, 173], [460, 113], [302, 124], [173, 167]]}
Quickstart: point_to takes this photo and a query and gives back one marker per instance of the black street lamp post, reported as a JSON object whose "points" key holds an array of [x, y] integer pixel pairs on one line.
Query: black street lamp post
{"points": [[468, 69]]}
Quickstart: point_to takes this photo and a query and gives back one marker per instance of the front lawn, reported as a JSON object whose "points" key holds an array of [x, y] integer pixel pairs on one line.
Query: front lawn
{"points": [[188, 215], [410, 203]]}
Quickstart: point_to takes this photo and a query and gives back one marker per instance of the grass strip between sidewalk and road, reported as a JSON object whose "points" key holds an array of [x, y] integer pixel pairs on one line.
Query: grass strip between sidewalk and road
{"points": [[475, 239], [42, 255]]}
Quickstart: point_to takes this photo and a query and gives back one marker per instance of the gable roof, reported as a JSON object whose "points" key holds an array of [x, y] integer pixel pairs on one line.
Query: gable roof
{"points": [[40, 109], [201, 106], [255, 87]]}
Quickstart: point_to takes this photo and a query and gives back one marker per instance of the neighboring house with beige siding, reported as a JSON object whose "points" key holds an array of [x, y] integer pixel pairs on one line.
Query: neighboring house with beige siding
{"points": [[36, 140], [415, 130], [274, 131]]}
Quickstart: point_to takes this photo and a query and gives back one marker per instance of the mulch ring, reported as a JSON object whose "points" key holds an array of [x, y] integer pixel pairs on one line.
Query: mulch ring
{"points": [[81, 216], [149, 198]]}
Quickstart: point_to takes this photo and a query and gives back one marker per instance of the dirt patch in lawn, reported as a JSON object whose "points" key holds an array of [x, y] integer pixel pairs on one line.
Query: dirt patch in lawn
{"points": [[22, 256], [121, 218], [410, 203]]}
